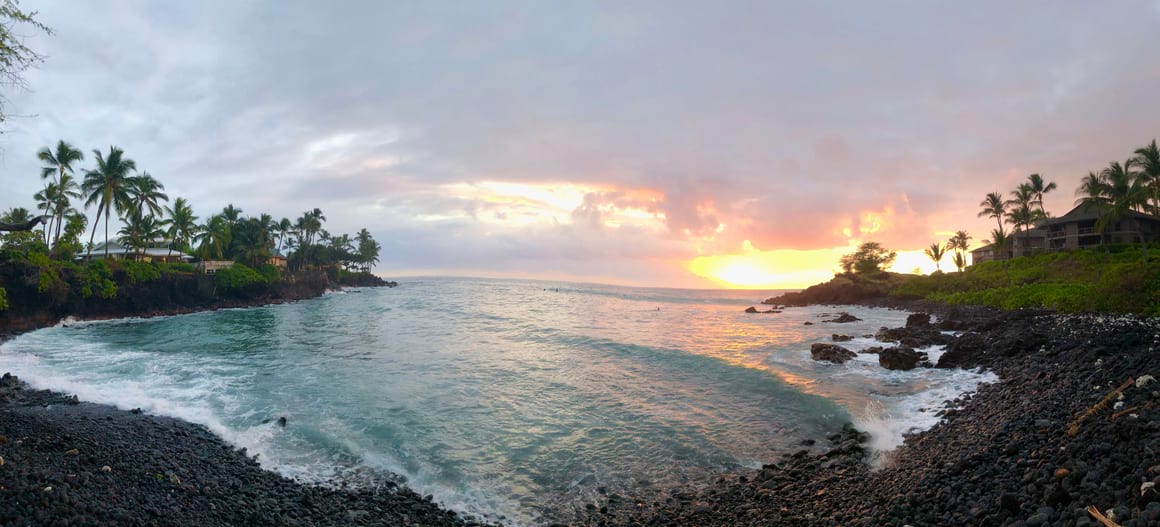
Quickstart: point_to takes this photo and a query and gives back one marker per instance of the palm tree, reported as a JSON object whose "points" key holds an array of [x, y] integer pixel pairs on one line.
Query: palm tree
{"points": [[182, 224], [231, 214], [995, 207], [215, 237], [1124, 191], [1148, 159], [1001, 242], [108, 187], [368, 250], [250, 242], [959, 243], [59, 162], [934, 252], [284, 229], [960, 261], [139, 230], [146, 192], [1038, 189]]}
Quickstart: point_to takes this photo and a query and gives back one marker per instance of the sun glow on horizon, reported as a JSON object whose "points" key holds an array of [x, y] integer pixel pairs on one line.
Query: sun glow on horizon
{"points": [[793, 268]]}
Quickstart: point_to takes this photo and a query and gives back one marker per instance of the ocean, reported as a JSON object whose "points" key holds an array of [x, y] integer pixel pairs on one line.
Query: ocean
{"points": [[502, 398]]}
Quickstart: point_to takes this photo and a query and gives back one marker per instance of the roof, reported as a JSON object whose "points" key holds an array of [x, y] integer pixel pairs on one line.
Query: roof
{"points": [[120, 250], [988, 247], [1084, 212]]}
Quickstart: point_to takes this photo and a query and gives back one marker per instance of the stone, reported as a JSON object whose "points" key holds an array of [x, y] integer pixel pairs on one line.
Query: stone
{"points": [[830, 352], [751, 309], [841, 338], [72, 452], [1061, 473], [844, 318], [899, 358], [1144, 380], [918, 320]]}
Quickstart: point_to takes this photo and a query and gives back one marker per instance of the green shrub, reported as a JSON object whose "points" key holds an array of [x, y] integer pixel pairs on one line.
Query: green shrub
{"points": [[181, 267], [97, 278], [270, 273], [1088, 280], [3, 299], [141, 272], [237, 277]]}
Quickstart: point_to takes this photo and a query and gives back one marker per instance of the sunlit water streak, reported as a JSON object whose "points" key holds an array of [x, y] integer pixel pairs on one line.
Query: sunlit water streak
{"points": [[500, 397]]}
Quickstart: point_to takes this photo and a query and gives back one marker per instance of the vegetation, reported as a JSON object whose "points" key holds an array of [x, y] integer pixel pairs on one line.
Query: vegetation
{"points": [[1113, 280], [15, 57], [870, 257]]}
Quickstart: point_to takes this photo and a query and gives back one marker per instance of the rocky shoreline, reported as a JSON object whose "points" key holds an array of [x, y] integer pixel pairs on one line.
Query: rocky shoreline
{"points": [[71, 463], [1073, 423], [1052, 438]]}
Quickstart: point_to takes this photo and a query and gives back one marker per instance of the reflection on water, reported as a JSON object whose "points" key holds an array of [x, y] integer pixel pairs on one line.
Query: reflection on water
{"points": [[497, 396]]}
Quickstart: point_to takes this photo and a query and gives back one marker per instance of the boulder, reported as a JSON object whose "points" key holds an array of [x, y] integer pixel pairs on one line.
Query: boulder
{"points": [[899, 358], [916, 320], [831, 352], [967, 351], [841, 338], [844, 318], [751, 309], [914, 337]]}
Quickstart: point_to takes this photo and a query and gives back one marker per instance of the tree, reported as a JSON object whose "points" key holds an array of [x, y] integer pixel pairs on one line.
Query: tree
{"points": [[960, 261], [1001, 241], [284, 229], [1123, 192], [146, 193], [935, 252], [59, 163], [17, 225], [231, 214], [182, 224], [140, 229], [368, 250], [15, 57], [1021, 212], [1148, 159], [215, 238], [108, 187], [250, 242], [959, 243], [995, 207], [1038, 189], [870, 257]]}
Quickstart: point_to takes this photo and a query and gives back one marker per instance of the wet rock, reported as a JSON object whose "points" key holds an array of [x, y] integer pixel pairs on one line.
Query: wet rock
{"points": [[898, 358], [831, 352], [751, 309], [843, 318], [918, 320], [841, 338]]}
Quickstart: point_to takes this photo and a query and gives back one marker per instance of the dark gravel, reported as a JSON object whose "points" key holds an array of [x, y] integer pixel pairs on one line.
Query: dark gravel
{"points": [[1002, 457], [67, 462]]}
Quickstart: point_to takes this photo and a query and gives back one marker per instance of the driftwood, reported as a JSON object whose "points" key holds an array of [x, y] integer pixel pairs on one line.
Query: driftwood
{"points": [[26, 226], [1146, 406], [1073, 428], [1099, 516]]}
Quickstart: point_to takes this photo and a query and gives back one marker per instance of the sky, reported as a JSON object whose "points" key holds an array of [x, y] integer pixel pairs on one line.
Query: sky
{"points": [[656, 143]]}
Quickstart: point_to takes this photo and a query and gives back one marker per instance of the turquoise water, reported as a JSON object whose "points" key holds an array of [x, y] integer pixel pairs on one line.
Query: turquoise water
{"points": [[500, 397]]}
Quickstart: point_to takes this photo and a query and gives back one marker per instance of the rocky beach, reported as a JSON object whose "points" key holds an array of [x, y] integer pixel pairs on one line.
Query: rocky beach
{"points": [[1072, 424]]}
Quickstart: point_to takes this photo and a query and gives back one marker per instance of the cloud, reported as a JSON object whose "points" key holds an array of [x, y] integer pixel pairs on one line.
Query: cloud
{"points": [[677, 129]]}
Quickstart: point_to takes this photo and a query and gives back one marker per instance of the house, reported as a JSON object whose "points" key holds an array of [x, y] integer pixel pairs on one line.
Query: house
{"points": [[157, 251], [1075, 230], [213, 266], [277, 260]]}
